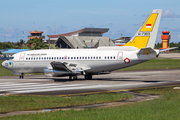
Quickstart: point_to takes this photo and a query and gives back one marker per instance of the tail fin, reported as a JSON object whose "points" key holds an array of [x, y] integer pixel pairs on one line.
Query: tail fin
{"points": [[146, 35]]}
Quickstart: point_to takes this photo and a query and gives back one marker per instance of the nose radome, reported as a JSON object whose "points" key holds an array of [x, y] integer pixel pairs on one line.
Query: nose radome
{"points": [[3, 64]]}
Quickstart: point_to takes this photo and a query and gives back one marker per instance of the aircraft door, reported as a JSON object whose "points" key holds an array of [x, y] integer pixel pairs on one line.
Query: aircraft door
{"points": [[21, 58], [120, 57]]}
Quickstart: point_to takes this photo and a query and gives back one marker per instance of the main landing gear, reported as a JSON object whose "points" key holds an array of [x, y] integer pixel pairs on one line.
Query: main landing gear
{"points": [[73, 77], [88, 76], [21, 75]]}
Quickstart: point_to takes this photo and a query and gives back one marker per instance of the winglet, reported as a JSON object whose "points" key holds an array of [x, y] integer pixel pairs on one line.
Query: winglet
{"points": [[146, 35]]}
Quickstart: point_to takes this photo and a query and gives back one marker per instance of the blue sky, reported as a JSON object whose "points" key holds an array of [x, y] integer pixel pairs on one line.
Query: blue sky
{"points": [[120, 16]]}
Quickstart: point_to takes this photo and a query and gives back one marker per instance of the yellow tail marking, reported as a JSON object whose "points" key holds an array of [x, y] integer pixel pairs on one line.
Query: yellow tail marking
{"points": [[148, 26], [139, 42]]}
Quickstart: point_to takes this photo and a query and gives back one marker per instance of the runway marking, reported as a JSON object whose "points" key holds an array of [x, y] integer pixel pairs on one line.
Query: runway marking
{"points": [[17, 88], [35, 86], [42, 88]]}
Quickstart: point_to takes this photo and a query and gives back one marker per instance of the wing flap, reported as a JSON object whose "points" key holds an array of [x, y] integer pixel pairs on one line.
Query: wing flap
{"points": [[68, 67], [59, 66]]}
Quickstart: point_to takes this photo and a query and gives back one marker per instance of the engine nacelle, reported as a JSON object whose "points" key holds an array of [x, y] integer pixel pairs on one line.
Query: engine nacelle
{"points": [[56, 73]]}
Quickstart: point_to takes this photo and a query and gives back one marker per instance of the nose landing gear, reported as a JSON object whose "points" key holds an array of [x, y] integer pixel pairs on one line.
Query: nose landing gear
{"points": [[21, 75]]}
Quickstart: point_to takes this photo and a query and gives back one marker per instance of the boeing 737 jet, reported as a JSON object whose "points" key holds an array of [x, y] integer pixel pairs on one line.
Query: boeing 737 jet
{"points": [[88, 62]]}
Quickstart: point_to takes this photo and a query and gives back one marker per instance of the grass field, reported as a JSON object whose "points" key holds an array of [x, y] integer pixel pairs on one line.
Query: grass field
{"points": [[152, 64], [156, 64], [19, 103], [165, 108]]}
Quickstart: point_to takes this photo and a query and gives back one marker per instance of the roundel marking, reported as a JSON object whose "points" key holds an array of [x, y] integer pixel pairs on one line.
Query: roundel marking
{"points": [[127, 60]]}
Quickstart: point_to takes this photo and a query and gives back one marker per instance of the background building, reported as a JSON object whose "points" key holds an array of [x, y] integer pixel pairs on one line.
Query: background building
{"points": [[121, 41], [83, 38], [165, 39], [36, 34]]}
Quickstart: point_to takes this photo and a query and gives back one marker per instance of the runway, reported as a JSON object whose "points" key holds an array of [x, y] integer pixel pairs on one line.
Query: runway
{"points": [[116, 81]]}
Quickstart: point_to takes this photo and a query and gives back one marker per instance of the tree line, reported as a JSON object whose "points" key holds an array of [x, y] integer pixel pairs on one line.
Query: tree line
{"points": [[172, 44], [32, 44]]}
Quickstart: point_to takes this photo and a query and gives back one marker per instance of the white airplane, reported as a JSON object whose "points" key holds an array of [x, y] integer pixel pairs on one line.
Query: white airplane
{"points": [[88, 62]]}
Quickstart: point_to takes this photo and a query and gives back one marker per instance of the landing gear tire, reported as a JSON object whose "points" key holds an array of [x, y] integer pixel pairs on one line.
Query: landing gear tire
{"points": [[88, 77], [70, 77], [21, 76], [74, 77]]}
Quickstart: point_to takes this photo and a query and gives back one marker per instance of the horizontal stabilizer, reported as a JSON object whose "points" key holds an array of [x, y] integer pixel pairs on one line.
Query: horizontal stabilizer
{"points": [[158, 51], [161, 50]]}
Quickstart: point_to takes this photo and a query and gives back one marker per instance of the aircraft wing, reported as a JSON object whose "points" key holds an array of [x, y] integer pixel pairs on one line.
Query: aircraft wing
{"points": [[69, 67]]}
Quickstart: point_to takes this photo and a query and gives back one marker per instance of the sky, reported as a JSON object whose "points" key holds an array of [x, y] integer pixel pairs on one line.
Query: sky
{"points": [[62, 16]]}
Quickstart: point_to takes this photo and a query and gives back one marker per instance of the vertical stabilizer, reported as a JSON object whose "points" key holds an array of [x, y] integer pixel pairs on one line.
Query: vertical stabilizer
{"points": [[146, 35]]}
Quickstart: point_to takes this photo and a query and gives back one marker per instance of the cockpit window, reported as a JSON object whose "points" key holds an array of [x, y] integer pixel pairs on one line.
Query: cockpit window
{"points": [[10, 58]]}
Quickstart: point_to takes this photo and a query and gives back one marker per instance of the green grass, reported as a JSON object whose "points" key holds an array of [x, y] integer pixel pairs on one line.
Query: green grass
{"points": [[165, 108], [19, 103], [4, 72], [156, 64]]}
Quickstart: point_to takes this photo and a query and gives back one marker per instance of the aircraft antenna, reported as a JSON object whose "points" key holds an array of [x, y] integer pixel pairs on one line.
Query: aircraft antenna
{"points": [[5, 41], [23, 40], [33, 25], [17, 37], [54, 28]]}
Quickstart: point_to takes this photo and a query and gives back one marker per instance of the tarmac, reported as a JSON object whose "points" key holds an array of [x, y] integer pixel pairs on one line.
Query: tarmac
{"points": [[116, 81], [170, 55]]}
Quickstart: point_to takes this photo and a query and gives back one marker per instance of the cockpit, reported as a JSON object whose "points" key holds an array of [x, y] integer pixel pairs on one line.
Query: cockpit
{"points": [[10, 58]]}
